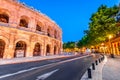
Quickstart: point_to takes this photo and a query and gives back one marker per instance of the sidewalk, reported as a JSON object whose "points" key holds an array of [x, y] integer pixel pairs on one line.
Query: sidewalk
{"points": [[28, 59], [109, 69], [97, 73]]}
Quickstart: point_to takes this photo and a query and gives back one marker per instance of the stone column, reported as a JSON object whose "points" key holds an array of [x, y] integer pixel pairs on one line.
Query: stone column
{"points": [[12, 45], [117, 50], [6, 55], [42, 50], [52, 49], [44, 47], [32, 25]]}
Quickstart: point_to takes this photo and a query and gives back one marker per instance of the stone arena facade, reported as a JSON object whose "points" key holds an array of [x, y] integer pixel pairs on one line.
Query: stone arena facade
{"points": [[25, 32]]}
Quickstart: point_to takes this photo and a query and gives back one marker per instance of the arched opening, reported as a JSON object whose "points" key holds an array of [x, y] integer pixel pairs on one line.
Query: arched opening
{"points": [[38, 28], [55, 50], [47, 50], [20, 49], [48, 32], [55, 34], [2, 47], [59, 50], [4, 18], [23, 23], [37, 50]]}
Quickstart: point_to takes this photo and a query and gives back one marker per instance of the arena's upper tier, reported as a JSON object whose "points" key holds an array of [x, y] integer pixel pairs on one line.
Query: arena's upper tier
{"points": [[20, 16]]}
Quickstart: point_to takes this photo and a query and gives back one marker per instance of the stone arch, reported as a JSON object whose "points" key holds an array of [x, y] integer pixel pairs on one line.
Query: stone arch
{"points": [[6, 40], [48, 49], [37, 49], [6, 45], [20, 49], [48, 32], [4, 15], [24, 21], [3, 10], [2, 48], [25, 40], [39, 26], [4, 18]]}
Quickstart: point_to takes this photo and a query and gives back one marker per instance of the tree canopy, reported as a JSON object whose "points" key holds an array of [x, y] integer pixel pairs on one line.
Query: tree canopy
{"points": [[69, 45], [102, 23]]}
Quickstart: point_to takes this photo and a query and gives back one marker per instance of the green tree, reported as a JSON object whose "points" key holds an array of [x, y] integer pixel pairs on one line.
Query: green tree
{"points": [[102, 23], [69, 45]]}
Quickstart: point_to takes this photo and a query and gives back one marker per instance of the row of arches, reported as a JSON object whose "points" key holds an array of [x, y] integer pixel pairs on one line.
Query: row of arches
{"points": [[24, 21], [21, 47]]}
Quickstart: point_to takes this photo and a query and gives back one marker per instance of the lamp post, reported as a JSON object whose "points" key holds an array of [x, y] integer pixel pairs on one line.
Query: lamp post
{"points": [[103, 47], [110, 45]]}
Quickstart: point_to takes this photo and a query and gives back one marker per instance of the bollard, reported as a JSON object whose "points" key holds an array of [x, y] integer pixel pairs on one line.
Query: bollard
{"points": [[96, 62], [112, 56], [99, 61], [89, 73], [93, 66], [103, 57]]}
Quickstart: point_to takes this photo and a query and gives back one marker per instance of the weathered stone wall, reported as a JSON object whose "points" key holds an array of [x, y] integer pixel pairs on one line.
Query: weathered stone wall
{"points": [[11, 33]]}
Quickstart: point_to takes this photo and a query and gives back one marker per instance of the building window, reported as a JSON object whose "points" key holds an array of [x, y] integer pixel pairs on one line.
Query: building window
{"points": [[55, 49], [23, 23], [48, 32], [4, 18], [47, 50], [20, 49], [37, 50], [38, 28]]}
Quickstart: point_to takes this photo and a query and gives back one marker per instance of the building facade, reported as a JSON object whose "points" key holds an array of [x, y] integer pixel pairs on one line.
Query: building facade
{"points": [[25, 32]]}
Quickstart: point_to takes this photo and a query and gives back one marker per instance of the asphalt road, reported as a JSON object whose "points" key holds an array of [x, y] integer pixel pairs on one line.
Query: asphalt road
{"points": [[71, 68]]}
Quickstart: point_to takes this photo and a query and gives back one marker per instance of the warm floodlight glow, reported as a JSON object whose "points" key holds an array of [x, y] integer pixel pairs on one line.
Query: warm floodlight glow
{"points": [[110, 36]]}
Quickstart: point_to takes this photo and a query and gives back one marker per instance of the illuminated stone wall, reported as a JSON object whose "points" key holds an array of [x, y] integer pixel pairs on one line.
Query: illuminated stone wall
{"points": [[25, 32]]}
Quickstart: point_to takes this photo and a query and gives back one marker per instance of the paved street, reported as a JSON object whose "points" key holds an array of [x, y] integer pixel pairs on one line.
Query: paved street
{"points": [[71, 68]]}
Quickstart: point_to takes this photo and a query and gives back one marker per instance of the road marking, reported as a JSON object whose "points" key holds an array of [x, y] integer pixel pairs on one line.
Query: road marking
{"points": [[23, 71], [46, 75]]}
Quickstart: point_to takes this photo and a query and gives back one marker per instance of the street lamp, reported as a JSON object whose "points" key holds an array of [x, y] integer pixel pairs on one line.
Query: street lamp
{"points": [[110, 36], [110, 45]]}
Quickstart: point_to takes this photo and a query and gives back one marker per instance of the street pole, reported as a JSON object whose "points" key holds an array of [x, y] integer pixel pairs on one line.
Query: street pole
{"points": [[109, 46], [111, 51]]}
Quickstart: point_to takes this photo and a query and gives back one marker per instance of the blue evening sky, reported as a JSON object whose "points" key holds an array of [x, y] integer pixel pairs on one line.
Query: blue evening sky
{"points": [[71, 15]]}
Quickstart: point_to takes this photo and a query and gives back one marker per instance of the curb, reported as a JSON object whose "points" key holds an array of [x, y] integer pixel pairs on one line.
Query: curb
{"points": [[97, 73], [30, 59]]}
